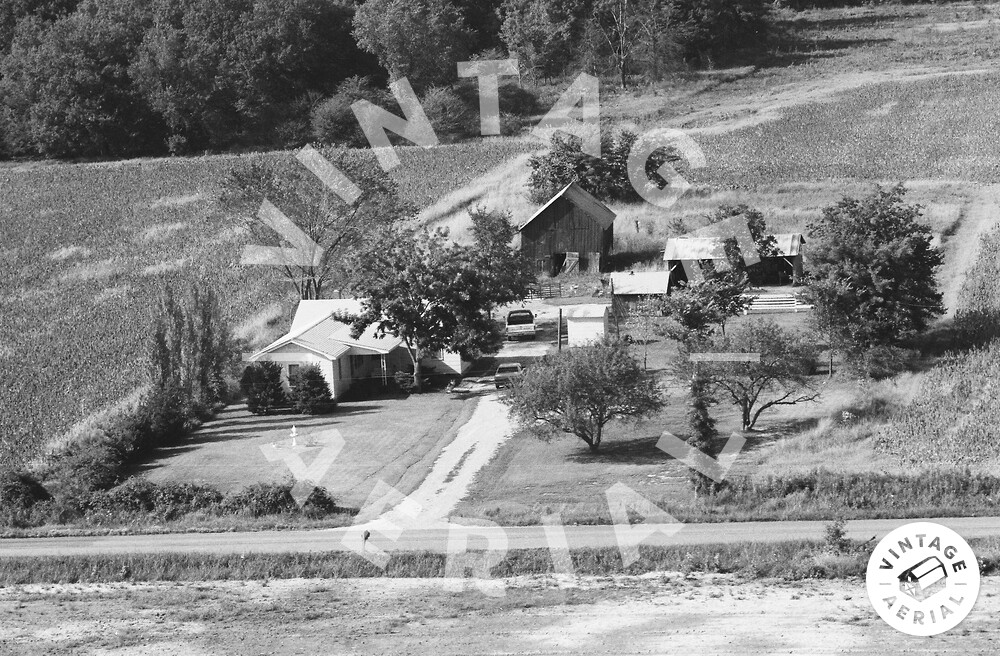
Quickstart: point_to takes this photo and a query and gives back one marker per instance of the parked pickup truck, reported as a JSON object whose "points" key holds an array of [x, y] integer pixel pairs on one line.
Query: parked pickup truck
{"points": [[520, 324], [507, 373]]}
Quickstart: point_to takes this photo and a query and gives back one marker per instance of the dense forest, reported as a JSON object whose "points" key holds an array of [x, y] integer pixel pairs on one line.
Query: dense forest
{"points": [[116, 78]]}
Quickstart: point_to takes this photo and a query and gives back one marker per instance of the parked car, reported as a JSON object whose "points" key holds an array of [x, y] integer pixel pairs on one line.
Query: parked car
{"points": [[507, 373], [520, 324]]}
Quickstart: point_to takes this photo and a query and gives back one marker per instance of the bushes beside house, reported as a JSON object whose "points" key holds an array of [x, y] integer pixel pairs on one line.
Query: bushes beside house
{"points": [[261, 384], [310, 393]]}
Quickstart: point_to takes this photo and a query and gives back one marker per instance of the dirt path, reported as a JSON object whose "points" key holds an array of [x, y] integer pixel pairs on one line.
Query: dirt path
{"points": [[664, 613], [449, 478], [962, 248]]}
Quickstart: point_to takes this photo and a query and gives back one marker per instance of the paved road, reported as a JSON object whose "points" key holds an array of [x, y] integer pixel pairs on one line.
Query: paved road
{"points": [[437, 538]]}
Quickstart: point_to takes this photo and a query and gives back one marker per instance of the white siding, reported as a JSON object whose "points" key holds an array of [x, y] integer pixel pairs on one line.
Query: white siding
{"points": [[290, 354], [447, 363], [584, 330]]}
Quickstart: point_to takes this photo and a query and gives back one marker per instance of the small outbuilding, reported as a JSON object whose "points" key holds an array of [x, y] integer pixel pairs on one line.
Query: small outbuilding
{"points": [[782, 263], [631, 289], [573, 231], [586, 324]]}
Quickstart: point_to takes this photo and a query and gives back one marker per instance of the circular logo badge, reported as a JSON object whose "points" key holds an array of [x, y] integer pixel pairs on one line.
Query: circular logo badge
{"points": [[923, 579]]}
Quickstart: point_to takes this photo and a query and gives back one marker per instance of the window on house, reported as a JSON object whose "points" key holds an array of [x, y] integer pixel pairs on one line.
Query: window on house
{"points": [[293, 372]]}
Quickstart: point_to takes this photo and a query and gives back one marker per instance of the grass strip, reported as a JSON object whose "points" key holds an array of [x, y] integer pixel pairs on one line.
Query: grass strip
{"points": [[795, 560]]}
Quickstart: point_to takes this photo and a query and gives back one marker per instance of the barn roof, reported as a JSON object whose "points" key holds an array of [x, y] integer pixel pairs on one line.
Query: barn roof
{"points": [[695, 248], [645, 283], [588, 311], [577, 195], [315, 328], [787, 244]]}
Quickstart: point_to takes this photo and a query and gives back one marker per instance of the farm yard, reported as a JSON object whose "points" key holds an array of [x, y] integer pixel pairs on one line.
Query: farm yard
{"points": [[86, 246], [167, 484]]}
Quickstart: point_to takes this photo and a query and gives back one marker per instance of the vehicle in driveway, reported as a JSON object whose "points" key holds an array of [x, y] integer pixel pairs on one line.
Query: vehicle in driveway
{"points": [[507, 373], [520, 324]]}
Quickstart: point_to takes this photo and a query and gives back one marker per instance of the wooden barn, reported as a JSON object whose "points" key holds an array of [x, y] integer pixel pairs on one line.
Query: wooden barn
{"points": [[782, 266], [573, 231]]}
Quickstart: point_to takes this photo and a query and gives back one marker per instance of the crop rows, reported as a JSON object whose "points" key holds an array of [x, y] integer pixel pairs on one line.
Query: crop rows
{"points": [[75, 303], [945, 128]]}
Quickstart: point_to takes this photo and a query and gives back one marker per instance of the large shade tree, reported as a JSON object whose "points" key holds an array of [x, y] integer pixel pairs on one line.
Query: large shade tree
{"points": [[437, 295], [581, 390], [873, 271], [421, 40], [780, 377], [341, 229]]}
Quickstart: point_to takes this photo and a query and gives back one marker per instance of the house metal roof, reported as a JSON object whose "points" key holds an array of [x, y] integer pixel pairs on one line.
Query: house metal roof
{"points": [[315, 328], [576, 194], [787, 244], [640, 283]]}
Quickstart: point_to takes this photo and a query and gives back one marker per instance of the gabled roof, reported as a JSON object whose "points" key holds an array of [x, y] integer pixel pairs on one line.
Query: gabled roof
{"points": [[576, 194], [643, 283], [589, 311], [787, 244], [695, 248], [314, 328]]}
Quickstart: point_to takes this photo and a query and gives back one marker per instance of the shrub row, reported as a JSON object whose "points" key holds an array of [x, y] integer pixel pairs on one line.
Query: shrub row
{"points": [[26, 503]]}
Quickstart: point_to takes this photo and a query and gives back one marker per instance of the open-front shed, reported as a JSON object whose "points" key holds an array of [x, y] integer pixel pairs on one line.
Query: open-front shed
{"points": [[780, 263], [573, 231]]}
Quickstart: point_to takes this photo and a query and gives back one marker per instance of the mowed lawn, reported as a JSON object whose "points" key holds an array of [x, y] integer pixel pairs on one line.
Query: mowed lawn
{"points": [[391, 440], [530, 478]]}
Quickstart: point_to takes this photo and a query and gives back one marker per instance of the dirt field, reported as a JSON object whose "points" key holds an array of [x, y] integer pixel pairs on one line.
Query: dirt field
{"points": [[655, 614]]}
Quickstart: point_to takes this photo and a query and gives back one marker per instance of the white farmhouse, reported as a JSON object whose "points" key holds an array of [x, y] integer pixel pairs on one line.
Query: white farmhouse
{"points": [[318, 338]]}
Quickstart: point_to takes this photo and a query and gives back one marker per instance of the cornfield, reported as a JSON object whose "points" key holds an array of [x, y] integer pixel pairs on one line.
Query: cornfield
{"points": [[953, 419], [941, 128], [85, 249]]}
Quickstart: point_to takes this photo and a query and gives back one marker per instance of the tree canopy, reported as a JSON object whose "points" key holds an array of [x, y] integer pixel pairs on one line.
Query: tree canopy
{"points": [[581, 390], [342, 230], [437, 295], [780, 377], [421, 40], [873, 270]]}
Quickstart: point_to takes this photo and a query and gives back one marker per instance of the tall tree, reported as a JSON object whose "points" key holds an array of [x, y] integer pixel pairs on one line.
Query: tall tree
{"points": [[702, 426], [340, 229], [66, 86], [221, 70], [873, 270], [421, 40], [434, 295], [780, 377], [509, 273], [542, 34], [621, 22], [581, 390], [192, 351], [696, 308]]}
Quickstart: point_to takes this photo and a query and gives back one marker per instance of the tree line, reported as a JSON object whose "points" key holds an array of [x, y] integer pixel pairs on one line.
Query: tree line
{"points": [[114, 78]]}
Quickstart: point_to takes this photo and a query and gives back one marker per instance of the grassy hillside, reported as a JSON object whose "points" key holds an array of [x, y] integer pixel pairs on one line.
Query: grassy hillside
{"points": [[875, 94], [84, 250]]}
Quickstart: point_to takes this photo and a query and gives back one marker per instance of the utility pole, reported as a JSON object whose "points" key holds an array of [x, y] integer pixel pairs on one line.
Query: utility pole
{"points": [[559, 331]]}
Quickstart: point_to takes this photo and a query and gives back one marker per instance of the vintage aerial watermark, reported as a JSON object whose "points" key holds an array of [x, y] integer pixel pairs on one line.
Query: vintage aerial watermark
{"points": [[923, 579]]}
